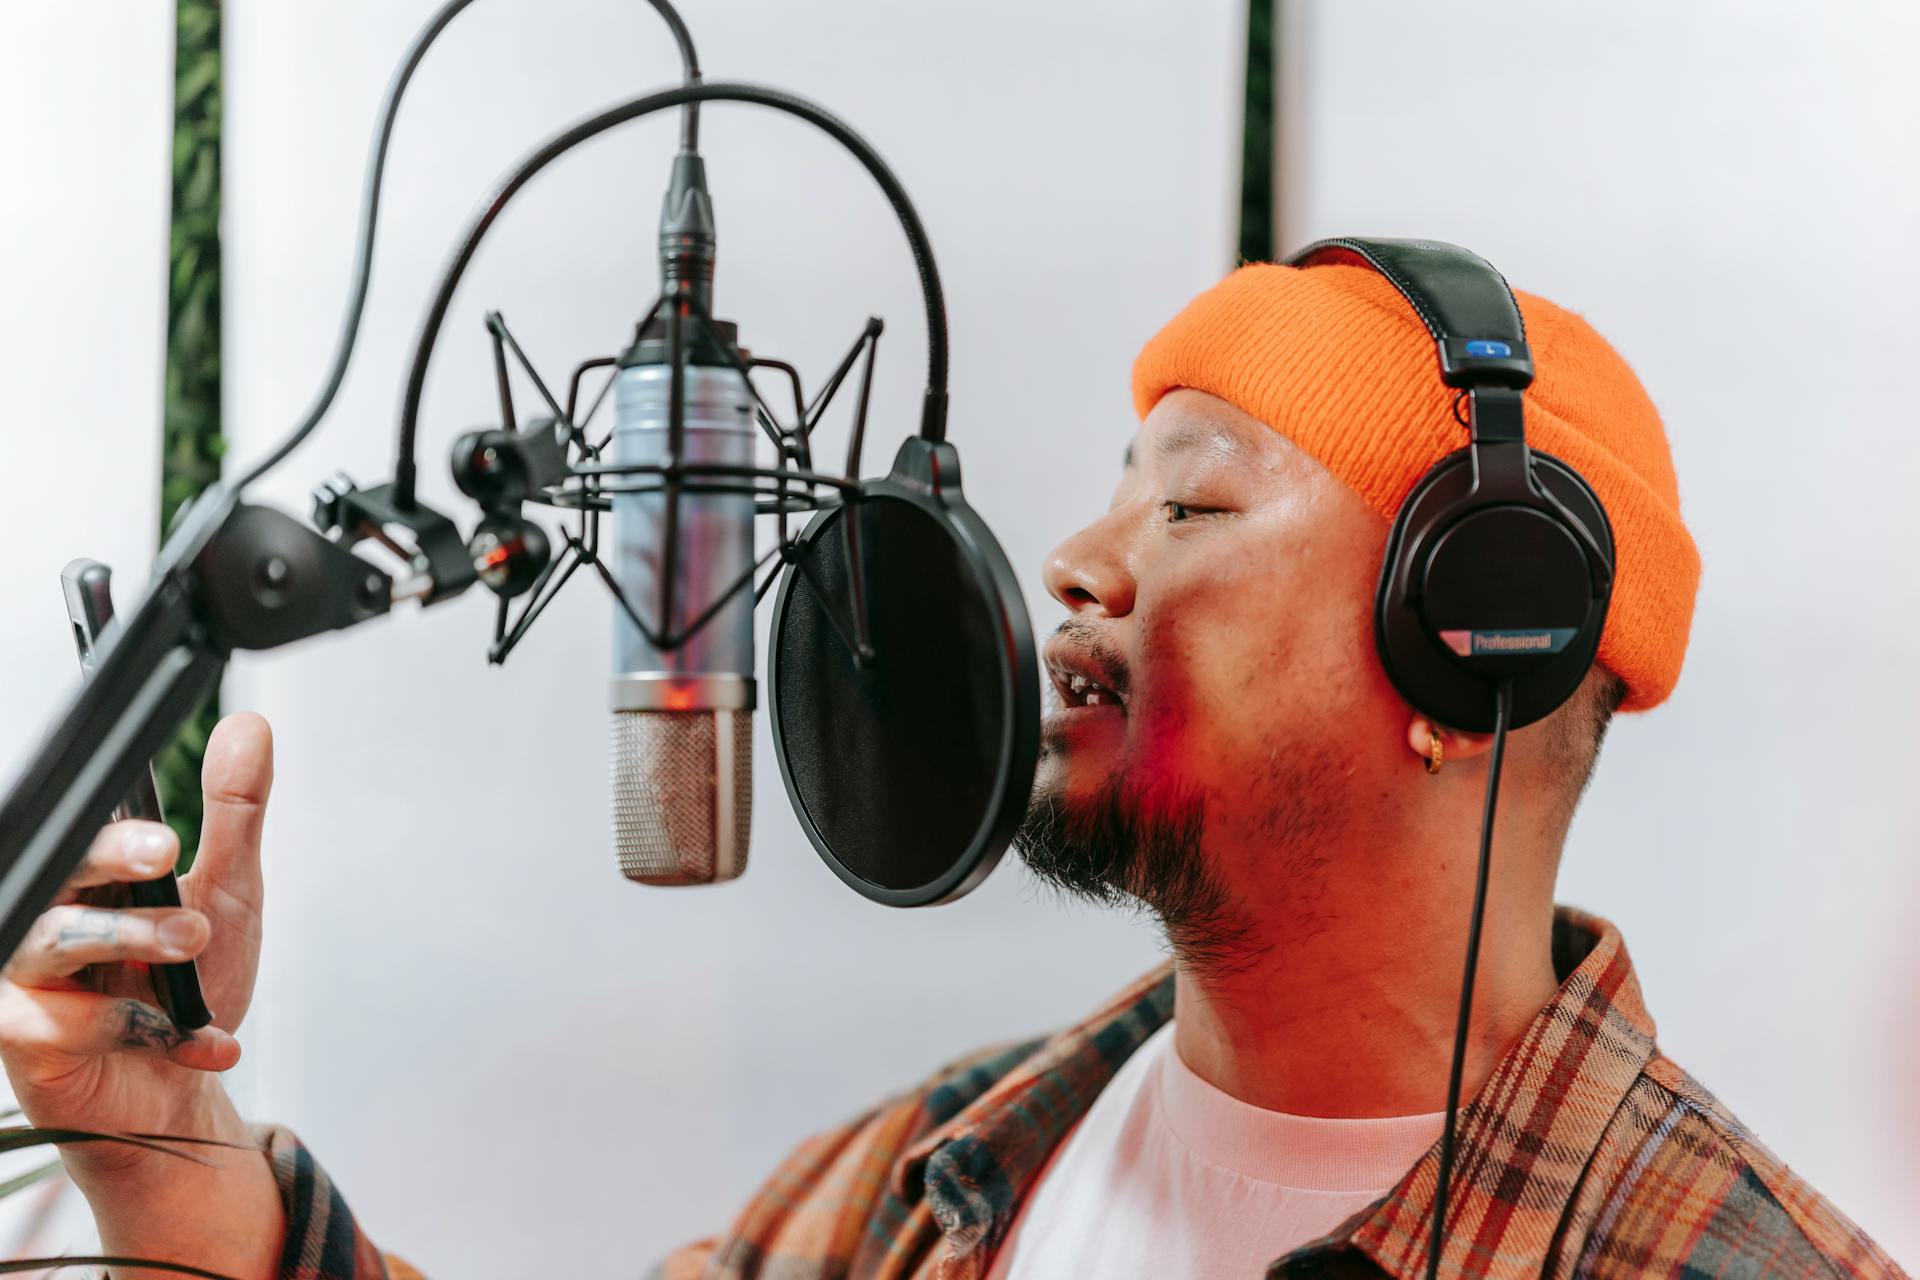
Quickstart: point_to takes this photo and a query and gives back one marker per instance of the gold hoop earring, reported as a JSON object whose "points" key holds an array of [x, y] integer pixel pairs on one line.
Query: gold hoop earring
{"points": [[1433, 751]]}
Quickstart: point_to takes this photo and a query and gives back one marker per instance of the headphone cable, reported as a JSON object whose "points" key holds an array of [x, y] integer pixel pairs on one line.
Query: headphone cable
{"points": [[1503, 713]]}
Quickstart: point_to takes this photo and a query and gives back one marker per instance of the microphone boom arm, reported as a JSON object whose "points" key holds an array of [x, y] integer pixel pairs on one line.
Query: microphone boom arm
{"points": [[232, 576]]}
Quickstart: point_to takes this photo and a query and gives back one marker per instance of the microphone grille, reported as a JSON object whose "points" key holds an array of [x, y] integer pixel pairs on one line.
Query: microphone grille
{"points": [[682, 795]]}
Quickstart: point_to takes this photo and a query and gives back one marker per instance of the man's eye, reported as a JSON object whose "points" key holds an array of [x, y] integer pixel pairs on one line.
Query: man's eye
{"points": [[1181, 511]]}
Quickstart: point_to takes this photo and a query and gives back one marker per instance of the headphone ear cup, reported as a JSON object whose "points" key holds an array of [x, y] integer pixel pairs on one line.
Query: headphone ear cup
{"points": [[1528, 544]]}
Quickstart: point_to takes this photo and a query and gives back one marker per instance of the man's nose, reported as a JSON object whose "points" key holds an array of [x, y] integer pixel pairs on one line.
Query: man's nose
{"points": [[1089, 572]]}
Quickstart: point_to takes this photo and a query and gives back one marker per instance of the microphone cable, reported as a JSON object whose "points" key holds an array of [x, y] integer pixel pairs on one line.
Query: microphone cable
{"points": [[1502, 715], [370, 210]]}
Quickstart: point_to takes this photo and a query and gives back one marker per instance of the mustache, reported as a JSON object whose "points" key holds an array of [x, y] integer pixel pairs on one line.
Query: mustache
{"points": [[1087, 637]]}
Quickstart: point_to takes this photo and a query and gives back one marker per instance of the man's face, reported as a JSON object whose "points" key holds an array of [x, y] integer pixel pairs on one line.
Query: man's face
{"points": [[1221, 714]]}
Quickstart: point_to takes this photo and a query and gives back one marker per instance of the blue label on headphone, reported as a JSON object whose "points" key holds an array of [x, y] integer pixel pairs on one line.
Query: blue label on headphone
{"points": [[1489, 347], [1502, 644]]}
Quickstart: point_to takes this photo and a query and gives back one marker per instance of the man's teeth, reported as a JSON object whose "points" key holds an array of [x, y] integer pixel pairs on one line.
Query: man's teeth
{"points": [[1088, 694]]}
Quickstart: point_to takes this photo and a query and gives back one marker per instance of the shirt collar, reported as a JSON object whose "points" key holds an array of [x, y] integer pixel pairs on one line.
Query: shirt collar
{"points": [[1523, 1142], [1520, 1144], [977, 1167]]}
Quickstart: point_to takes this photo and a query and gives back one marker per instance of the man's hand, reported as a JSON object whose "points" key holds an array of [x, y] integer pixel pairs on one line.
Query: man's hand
{"points": [[86, 1047]]}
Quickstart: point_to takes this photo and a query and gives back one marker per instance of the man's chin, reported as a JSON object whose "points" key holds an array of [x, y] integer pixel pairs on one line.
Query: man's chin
{"points": [[1054, 836], [1124, 844], [1092, 830]]}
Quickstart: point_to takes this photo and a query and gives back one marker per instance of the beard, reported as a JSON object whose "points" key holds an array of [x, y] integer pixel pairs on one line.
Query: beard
{"points": [[1138, 846]]}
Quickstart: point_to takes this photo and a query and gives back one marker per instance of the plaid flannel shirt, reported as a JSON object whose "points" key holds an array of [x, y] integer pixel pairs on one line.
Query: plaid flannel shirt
{"points": [[1587, 1153]]}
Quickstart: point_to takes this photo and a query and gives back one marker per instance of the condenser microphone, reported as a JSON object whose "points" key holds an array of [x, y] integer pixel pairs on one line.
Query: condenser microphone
{"points": [[682, 748]]}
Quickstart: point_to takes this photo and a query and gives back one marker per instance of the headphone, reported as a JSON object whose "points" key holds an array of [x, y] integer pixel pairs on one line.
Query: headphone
{"points": [[1499, 567]]}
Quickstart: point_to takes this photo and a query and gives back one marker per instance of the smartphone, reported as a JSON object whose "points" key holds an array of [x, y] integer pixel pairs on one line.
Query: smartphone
{"points": [[88, 586]]}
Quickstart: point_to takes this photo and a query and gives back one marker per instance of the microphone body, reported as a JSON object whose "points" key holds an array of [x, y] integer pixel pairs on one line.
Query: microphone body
{"points": [[682, 749]]}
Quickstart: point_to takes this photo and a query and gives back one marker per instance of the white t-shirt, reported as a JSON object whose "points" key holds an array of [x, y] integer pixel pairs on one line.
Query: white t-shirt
{"points": [[1168, 1177]]}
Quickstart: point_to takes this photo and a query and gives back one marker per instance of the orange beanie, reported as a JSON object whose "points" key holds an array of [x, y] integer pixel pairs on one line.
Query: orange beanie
{"points": [[1335, 359]]}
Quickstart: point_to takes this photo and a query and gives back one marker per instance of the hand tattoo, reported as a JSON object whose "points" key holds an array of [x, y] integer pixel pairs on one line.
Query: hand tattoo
{"points": [[145, 1027]]}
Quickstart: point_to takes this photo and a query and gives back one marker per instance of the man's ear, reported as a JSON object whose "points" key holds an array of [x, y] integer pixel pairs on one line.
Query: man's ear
{"points": [[1455, 744]]}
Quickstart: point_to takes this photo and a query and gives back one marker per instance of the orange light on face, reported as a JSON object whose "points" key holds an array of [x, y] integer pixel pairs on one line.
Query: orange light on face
{"points": [[679, 698], [495, 558]]}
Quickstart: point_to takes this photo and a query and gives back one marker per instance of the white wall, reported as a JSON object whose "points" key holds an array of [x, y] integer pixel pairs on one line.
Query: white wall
{"points": [[515, 1063], [87, 107], [1727, 191], [83, 315], [476, 1024]]}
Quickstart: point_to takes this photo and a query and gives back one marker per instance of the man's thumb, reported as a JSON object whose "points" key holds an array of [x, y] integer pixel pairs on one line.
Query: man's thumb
{"points": [[235, 778]]}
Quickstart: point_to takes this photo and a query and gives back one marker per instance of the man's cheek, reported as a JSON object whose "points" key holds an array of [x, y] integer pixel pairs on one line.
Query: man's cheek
{"points": [[1158, 745], [1169, 727], [1172, 696]]}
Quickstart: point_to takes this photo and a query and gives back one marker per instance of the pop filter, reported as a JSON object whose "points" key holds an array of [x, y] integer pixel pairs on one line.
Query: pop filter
{"points": [[909, 768]]}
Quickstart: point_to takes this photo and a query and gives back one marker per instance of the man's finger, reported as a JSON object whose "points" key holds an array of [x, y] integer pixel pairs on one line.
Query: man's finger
{"points": [[65, 940], [87, 1024], [235, 778], [124, 852]]}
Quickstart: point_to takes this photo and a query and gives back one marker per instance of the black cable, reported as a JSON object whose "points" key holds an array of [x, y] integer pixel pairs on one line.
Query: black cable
{"points": [[690, 72], [370, 211], [933, 422], [1503, 713]]}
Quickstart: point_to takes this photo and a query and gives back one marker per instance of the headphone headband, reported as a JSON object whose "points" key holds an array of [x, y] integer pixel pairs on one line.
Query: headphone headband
{"points": [[1465, 304]]}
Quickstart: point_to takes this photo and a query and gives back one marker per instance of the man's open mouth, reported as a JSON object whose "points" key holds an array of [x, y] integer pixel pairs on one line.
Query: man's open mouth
{"points": [[1080, 684]]}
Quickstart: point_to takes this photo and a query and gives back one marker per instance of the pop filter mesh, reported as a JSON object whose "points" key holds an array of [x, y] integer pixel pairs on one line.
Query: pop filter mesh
{"points": [[895, 762]]}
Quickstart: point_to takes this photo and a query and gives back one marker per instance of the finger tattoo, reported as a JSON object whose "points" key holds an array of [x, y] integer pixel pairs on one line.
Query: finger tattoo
{"points": [[144, 1027], [86, 925]]}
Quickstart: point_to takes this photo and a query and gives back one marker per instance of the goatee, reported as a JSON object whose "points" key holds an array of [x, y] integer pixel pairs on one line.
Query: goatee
{"points": [[1135, 846]]}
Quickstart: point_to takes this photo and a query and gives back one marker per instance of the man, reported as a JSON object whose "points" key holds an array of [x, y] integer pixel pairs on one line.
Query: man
{"points": [[1229, 752]]}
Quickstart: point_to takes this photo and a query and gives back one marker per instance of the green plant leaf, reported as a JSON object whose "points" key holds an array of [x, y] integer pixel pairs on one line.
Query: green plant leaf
{"points": [[196, 1142], [29, 1179], [191, 445], [20, 1137], [1257, 136], [197, 75], [97, 1260]]}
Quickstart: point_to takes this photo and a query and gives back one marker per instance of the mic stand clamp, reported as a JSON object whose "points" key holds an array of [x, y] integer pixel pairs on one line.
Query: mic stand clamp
{"points": [[233, 575], [438, 558]]}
